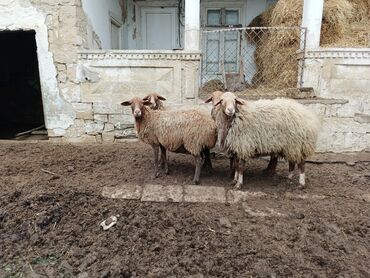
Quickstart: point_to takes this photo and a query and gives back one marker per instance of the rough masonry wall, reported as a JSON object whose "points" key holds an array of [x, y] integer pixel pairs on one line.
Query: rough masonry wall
{"points": [[342, 78]]}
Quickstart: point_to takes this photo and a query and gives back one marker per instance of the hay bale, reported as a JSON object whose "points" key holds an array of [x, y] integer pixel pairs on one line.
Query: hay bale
{"points": [[345, 23], [211, 86]]}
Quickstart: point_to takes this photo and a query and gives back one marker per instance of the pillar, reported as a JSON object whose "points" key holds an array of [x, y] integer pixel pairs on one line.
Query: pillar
{"points": [[192, 24], [311, 19]]}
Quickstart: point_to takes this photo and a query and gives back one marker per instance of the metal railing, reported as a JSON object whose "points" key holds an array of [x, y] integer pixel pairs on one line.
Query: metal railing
{"points": [[253, 60]]}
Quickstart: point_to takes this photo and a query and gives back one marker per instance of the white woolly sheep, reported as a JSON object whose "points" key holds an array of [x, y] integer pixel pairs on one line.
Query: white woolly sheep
{"points": [[281, 126], [215, 97], [182, 131]]}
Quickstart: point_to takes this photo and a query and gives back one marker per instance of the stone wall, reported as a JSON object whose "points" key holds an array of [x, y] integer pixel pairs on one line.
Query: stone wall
{"points": [[341, 77], [110, 77]]}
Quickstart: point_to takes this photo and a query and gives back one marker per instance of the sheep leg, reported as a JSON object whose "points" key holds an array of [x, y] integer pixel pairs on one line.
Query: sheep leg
{"points": [[164, 159], [271, 167], [156, 151], [232, 165], [198, 166], [207, 161], [161, 162], [291, 169], [236, 170], [302, 178], [239, 182]]}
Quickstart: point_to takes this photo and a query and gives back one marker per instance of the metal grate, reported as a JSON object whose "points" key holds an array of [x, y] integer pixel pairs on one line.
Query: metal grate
{"points": [[255, 60]]}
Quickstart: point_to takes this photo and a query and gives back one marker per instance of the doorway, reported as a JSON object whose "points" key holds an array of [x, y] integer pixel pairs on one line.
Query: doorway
{"points": [[21, 113], [159, 25]]}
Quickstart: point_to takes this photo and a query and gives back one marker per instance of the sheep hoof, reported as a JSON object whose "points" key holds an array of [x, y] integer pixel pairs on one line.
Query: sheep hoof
{"points": [[195, 182], [237, 186], [167, 172], [156, 175]]}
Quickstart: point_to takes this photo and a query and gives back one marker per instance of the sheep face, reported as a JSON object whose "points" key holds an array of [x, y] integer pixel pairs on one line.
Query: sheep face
{"points": [[229, 103], [154, 99], [137, 105], [215, 97]]}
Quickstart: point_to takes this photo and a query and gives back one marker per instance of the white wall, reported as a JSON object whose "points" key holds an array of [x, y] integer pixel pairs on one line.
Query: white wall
{"points": [[97, 12]]}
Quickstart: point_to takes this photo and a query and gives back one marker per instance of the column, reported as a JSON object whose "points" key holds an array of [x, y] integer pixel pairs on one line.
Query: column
{"points": [[192, 24], [311, 19]]}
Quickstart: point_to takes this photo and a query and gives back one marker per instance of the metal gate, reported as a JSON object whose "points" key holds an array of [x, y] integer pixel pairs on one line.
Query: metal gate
{"points": [[253, 60]]}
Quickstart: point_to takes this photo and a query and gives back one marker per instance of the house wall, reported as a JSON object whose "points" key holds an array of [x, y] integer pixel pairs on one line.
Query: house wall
{"points": [[341, 80], [131, 33], [98, 14], [58, 38]]}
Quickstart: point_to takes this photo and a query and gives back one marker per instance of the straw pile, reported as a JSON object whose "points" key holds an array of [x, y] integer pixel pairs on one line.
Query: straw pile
{"points": [[346, 23]]}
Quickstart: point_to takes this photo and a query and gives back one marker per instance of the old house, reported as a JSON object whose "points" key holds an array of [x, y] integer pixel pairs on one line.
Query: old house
{"points": [[67, 64]]}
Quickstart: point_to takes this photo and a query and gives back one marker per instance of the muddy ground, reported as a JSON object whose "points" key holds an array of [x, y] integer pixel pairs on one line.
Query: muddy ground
{"points": [[49, 225]]}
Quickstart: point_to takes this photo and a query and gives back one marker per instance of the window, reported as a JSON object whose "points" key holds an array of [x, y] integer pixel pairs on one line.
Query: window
{"points": [[222, 17], [222, 49]]}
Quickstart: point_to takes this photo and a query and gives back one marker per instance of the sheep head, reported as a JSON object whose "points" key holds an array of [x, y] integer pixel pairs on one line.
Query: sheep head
{"points": [[214, 97], [137, 106], [155, 100], [229, 103]]}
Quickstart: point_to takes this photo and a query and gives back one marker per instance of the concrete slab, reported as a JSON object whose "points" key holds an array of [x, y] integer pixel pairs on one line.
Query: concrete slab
{"points": [[162, 193], [127, 191], [236, 196], [204, 194]]}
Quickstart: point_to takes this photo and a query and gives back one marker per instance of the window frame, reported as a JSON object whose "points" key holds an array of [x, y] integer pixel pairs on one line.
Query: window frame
{"points": [[115, 20]]}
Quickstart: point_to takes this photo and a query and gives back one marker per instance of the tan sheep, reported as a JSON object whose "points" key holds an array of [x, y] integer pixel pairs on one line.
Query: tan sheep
{"points": [[281, 126], [156, 103], [182, 131]]}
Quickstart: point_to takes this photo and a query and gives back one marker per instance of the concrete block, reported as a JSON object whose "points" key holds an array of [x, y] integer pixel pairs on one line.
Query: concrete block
{"points": [[93, 128], [126, 133], [127, 191], [83, 110], [162, 193], [107, 108], [76, 130], [122, 120], [108, 137], [101, 118], [204, 194]]}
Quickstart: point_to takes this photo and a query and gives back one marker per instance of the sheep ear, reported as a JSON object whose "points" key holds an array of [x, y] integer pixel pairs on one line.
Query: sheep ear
{"points": [[239, 101], [126, 103], [218, 102], [208, 99], [161, 98]]}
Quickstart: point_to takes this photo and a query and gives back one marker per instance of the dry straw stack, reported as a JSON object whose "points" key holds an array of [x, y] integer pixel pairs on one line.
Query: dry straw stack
{"points": [[346, 23]]}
